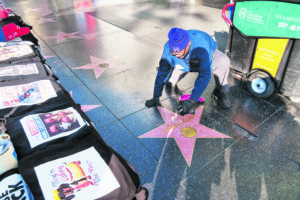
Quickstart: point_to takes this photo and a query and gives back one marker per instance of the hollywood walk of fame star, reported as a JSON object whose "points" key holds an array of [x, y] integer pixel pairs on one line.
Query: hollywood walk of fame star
{"points": [[61, 36], [83, 10], [28, 10], [184, 129], [98, 65], [44, 20], [86, 108], [83, 6], [21, 3]]}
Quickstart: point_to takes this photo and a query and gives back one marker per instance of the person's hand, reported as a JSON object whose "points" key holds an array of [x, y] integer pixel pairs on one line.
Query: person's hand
{"points": [[188, 107], [152, 102]]}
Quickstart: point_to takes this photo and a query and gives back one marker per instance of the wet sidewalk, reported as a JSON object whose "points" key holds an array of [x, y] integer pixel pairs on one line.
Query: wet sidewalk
{"points": [[105, 54]]}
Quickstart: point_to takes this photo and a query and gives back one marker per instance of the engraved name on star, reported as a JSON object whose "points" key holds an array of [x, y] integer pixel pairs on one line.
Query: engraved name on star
{"points": [[184, 129]]}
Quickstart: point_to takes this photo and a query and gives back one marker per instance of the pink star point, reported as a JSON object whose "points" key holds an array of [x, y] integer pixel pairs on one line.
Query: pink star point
{"points": [[86, 108], [90, 36], [47, 57], [43, 20], [173, 128], [28, 10]]}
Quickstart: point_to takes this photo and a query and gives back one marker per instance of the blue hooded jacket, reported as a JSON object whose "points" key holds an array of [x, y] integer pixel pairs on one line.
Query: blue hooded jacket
{"points": [[199, 59]]}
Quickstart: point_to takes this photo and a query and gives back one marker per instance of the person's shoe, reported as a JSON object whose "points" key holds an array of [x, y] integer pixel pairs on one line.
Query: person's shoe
{"points": [[222, 99], [169, 85], [178, 91]]}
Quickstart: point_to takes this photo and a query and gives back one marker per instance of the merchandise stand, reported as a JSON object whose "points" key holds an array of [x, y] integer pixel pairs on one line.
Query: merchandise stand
{"points": [[50, 148]]}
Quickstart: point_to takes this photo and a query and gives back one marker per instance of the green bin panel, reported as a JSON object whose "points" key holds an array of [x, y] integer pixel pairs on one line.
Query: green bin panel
{"points": [[267, 19]]}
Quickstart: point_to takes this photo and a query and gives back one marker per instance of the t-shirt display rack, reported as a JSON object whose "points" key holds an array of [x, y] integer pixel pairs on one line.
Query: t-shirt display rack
{"points": [[58, 152]]}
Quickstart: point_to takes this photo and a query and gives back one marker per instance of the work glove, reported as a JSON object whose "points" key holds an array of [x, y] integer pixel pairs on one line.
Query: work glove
{"points": [[12, 31], [152, 102], [188, 107]]}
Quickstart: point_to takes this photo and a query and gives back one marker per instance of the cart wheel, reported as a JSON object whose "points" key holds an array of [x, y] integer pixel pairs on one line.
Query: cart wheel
{"points": [[260, 84]]}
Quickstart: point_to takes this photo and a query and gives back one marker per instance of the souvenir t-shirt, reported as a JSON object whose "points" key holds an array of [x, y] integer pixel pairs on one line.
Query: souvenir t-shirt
{"points": [[23, 96], [82, 168], [16, 52], [9, 72], [32, 132]]}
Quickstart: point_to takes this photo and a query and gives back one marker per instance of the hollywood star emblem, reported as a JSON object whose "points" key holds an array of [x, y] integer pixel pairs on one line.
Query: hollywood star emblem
{"points": [[184, 129], [61, 36], [98, 65]]}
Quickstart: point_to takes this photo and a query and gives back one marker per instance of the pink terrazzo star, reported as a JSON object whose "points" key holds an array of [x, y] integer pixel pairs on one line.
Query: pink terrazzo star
{"points": [[98, 65], [44, 20], [47, 57], [21, 3], [28, 10], [61, 36], [90, 36], [80, 10], [176, 127], [86, 108]]}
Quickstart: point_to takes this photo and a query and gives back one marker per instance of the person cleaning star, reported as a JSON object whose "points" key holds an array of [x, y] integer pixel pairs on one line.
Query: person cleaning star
{"points": [[192, 51]]}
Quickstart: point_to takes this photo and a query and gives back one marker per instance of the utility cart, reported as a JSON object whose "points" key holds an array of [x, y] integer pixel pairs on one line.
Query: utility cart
{"points": [[264, 45]]}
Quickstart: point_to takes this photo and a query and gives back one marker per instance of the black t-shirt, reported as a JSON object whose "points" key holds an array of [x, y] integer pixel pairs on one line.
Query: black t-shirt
{"points": [[22, 71], [82, 168], [20, 97], [18, 52], [33, 132]]}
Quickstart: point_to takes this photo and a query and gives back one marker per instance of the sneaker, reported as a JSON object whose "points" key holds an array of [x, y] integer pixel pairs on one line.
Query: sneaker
{"points": [[222, 99]]}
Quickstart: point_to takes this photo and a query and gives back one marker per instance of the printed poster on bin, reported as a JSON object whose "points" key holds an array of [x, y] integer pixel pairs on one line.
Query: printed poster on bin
{"points": [[17, 70], [83, 175], [26, 94], [43, 127]]}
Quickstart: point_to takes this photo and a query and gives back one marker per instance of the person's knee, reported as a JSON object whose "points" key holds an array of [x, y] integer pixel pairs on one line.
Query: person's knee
{"points": [[226, 61], [221, 61]]}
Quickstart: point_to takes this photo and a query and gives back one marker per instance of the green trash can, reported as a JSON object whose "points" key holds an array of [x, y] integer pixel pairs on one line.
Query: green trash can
{"points": [[263, 45]]}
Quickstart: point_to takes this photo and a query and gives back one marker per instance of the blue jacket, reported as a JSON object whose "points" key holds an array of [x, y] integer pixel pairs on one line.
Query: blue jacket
{"points": [[199, 59], [2, 36]]}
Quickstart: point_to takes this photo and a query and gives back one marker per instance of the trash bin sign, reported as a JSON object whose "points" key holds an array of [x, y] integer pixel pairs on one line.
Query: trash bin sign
{"points": [[267, 19], [268, 54]]}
